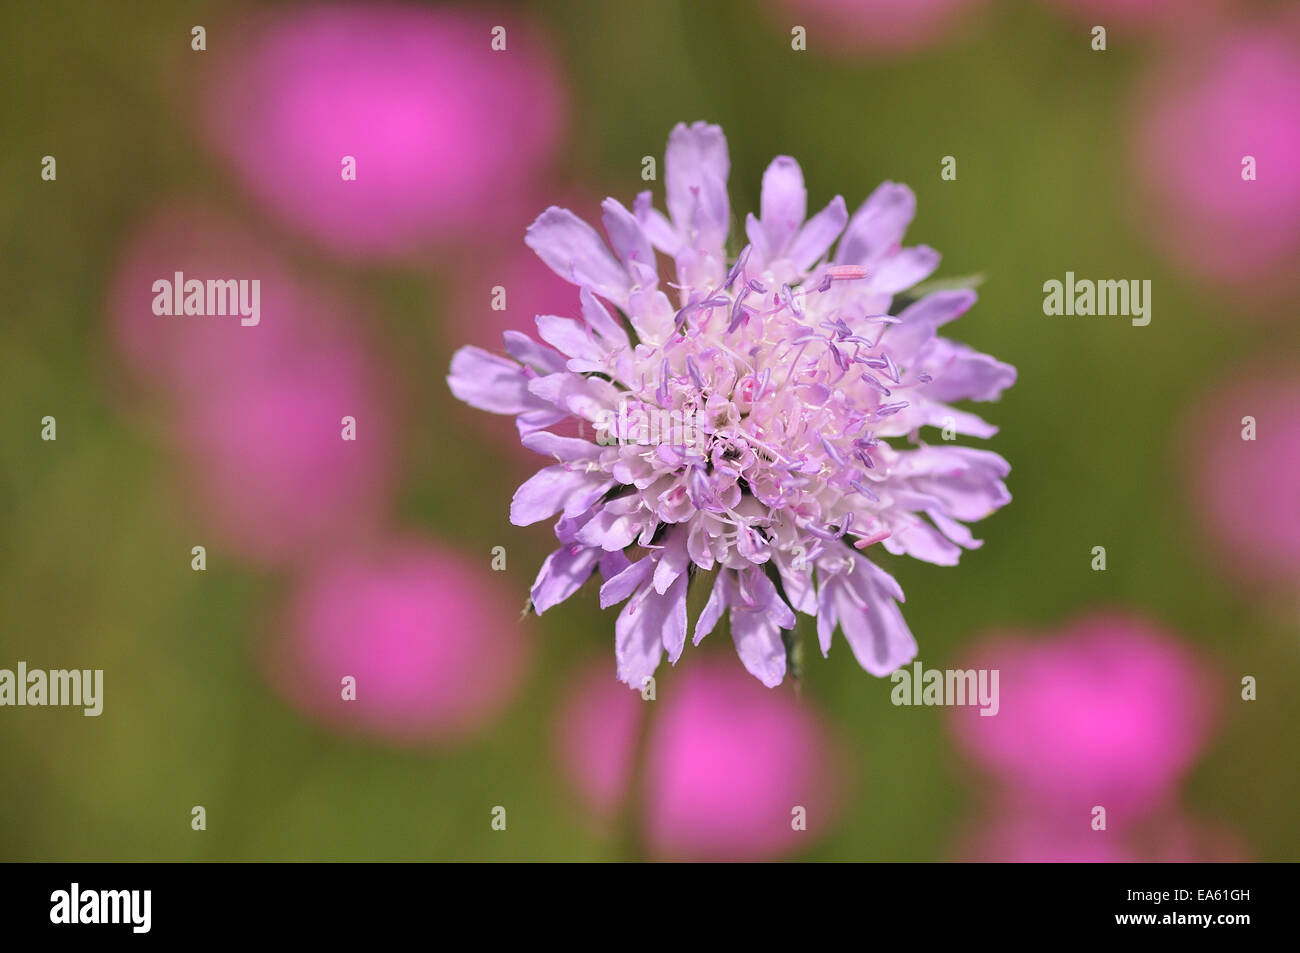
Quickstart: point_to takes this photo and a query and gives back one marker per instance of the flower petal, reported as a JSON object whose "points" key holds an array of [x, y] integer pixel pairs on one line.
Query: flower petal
{"points": [[759, 645], [878, 225], [548, 491], [638, 633], [902, 270], [818, 234], [877, 634], [490, 382], [562, 574], [962, 373], [783, 205], [718, 600], [575, 252], [696, 167], [625, 234]]}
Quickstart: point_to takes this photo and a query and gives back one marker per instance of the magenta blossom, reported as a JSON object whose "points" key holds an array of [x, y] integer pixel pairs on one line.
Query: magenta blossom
{"points": [[1167, 14], [729, 767], [405, 641], [781, 378], [1216, 132], [1010, 835], [376, 127], [1113, 711], [1245, 439], [851, 27]]}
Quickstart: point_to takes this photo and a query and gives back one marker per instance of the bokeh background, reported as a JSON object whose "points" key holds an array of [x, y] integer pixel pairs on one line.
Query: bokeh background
{"points": [[374, 557]]}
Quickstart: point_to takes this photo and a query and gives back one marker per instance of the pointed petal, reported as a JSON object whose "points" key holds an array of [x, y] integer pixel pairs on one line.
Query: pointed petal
{"points": [[621, 586], [548, 491], [878, 634], [638, 636], [962, 373], [878, 225], [696, 167], [759, 645], [718, 599], [674, 629], [490, 382], [901, 271], [625, 234], [783, 204], [575, 252], [818, 234], [563, 574]]}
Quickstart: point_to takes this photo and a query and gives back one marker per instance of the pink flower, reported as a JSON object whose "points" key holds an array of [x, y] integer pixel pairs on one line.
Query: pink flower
{"points": [[1246, 490], [1016, 837], [1212, 116], [731, 770], [445, 131], [850, 26], [430, 640], [597, 735], [268, 464], [258, 410], [1112, 711], [191, 356], [1027, 838], [768, 428], [1171, 14]]}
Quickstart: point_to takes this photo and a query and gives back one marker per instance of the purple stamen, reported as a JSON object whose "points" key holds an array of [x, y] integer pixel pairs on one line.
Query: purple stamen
{"points": [[832, 452], [876, 385], [864, 490], [694, 371], [737, 268]]}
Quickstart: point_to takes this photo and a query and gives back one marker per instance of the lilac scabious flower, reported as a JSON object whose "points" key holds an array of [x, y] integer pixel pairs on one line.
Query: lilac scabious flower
{"points": [[795, 383]]}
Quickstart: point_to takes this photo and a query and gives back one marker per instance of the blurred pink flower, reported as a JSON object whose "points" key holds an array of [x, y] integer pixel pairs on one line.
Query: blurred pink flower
{"points": [[1136, 13], [269, 467], [1246, 491], [193, 356], [851, 26], [446, 132], [727, 762], [257, 410], [1197, 121], [597, 734], [1027, 838], [1180, 838], [432, 640], [1110, 711], [1174, 837]]}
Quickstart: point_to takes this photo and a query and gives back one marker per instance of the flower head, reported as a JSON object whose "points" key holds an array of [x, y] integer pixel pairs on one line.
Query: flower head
{"points": [[375, 128], [745, 427]]}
